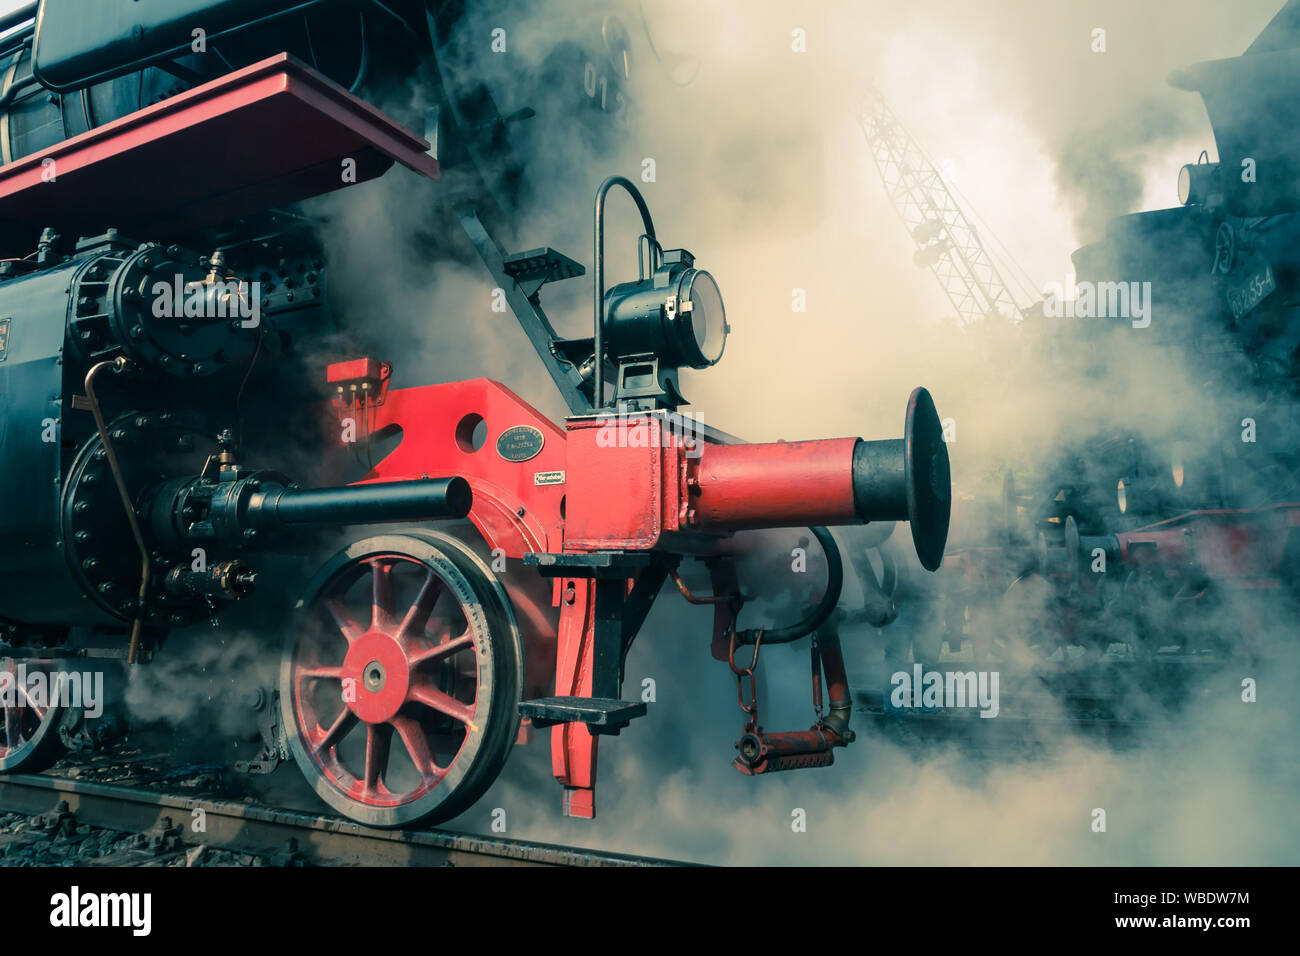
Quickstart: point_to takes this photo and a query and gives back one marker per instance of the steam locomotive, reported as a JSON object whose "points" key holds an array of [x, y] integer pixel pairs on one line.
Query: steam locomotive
{"points": [[174, 384], [1180, 540]]}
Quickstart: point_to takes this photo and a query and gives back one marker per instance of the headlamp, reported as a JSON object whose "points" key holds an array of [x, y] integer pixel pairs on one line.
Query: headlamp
{"points": [[675, 314]]}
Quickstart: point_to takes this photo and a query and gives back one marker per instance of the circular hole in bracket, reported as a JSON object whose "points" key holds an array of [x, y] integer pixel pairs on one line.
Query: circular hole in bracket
{"points": [[471, 433]]}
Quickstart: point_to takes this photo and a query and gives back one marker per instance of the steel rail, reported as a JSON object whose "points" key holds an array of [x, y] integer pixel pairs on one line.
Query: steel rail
{"points": [[319, 840]]}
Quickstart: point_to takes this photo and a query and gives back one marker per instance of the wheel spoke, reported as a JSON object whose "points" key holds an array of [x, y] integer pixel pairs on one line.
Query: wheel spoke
{"points": [[425, 693], [321, 673], [417, 746], [442, 651], [342, 724], [349, 628], [378, 739], [417, 616], [55, 687], [12, 726], [381, 602]]}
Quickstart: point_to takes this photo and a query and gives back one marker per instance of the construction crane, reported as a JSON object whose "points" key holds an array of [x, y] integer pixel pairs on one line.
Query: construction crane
{"points": [[946, 240]]}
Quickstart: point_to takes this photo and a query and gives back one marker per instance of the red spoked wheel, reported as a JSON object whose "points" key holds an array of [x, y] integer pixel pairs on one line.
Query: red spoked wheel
{"points": [[400, 686], [29, 735]]}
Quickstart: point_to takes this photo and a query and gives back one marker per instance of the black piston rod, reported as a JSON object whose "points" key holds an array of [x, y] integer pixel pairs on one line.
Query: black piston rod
{"points": [[254, 511], [419, 500]]}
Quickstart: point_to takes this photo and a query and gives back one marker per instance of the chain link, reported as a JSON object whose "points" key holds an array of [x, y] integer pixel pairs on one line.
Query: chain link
{"points": [[751, 708]]}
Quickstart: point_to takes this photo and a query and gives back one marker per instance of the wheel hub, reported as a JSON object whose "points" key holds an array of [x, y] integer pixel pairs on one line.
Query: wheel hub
{"points": [[376, 676]]}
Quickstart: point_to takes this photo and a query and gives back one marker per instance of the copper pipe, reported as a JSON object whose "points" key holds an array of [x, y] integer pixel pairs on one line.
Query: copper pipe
{"points": [[693, 599], [837, 686], [118, 364]]}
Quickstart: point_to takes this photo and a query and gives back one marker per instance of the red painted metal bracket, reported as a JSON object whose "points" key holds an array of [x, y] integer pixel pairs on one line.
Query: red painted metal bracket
{"points": [[518, 495]]}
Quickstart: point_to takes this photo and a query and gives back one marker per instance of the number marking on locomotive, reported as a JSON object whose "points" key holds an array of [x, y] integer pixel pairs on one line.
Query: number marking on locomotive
{"points": [[520, 443]]}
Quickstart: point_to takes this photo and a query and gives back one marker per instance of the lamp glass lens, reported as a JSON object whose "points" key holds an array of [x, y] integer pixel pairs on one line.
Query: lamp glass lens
{"points": [[708, 317]]}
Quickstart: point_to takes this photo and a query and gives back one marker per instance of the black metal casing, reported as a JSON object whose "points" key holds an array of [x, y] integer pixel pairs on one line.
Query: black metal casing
{"points": [[36, 584]]}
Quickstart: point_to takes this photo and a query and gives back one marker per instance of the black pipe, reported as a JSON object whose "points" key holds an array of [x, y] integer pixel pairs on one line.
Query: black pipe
{"points": [[819, 614], [420, 500], [598, 272]]}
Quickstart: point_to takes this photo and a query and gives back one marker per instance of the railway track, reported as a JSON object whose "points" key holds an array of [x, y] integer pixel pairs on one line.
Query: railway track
{"points": [[162, 829]]}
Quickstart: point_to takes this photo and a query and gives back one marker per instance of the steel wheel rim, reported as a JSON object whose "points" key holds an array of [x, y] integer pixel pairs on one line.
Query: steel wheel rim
{"points": [[27, 722], [425, 702]]}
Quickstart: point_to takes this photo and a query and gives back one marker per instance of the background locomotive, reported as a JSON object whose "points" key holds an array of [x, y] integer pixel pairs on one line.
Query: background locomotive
{"points": [[1166, 533], [168, 333]]}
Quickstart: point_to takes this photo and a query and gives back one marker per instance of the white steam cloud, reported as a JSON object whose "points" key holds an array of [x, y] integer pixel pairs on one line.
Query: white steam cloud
{"points": [[762, 172]]}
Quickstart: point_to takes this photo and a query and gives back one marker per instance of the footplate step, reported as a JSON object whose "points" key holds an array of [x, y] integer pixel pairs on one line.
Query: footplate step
{"points": [[602, 715]]}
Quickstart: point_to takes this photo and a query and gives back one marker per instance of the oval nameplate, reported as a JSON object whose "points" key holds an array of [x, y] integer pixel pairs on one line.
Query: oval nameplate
{"points": [[520, 443]]}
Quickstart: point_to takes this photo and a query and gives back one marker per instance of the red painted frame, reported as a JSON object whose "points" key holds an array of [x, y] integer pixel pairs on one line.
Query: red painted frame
{"points": [[621, 483]]}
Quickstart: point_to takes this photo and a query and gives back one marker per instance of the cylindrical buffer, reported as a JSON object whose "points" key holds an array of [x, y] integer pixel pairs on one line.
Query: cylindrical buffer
{"points": [[880, 480], [832, 482], [418, 500], [775, 485]]}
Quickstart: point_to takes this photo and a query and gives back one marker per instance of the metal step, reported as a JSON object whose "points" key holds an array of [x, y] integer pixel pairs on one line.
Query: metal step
{"points": [[602, 715], [541, 266]]}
